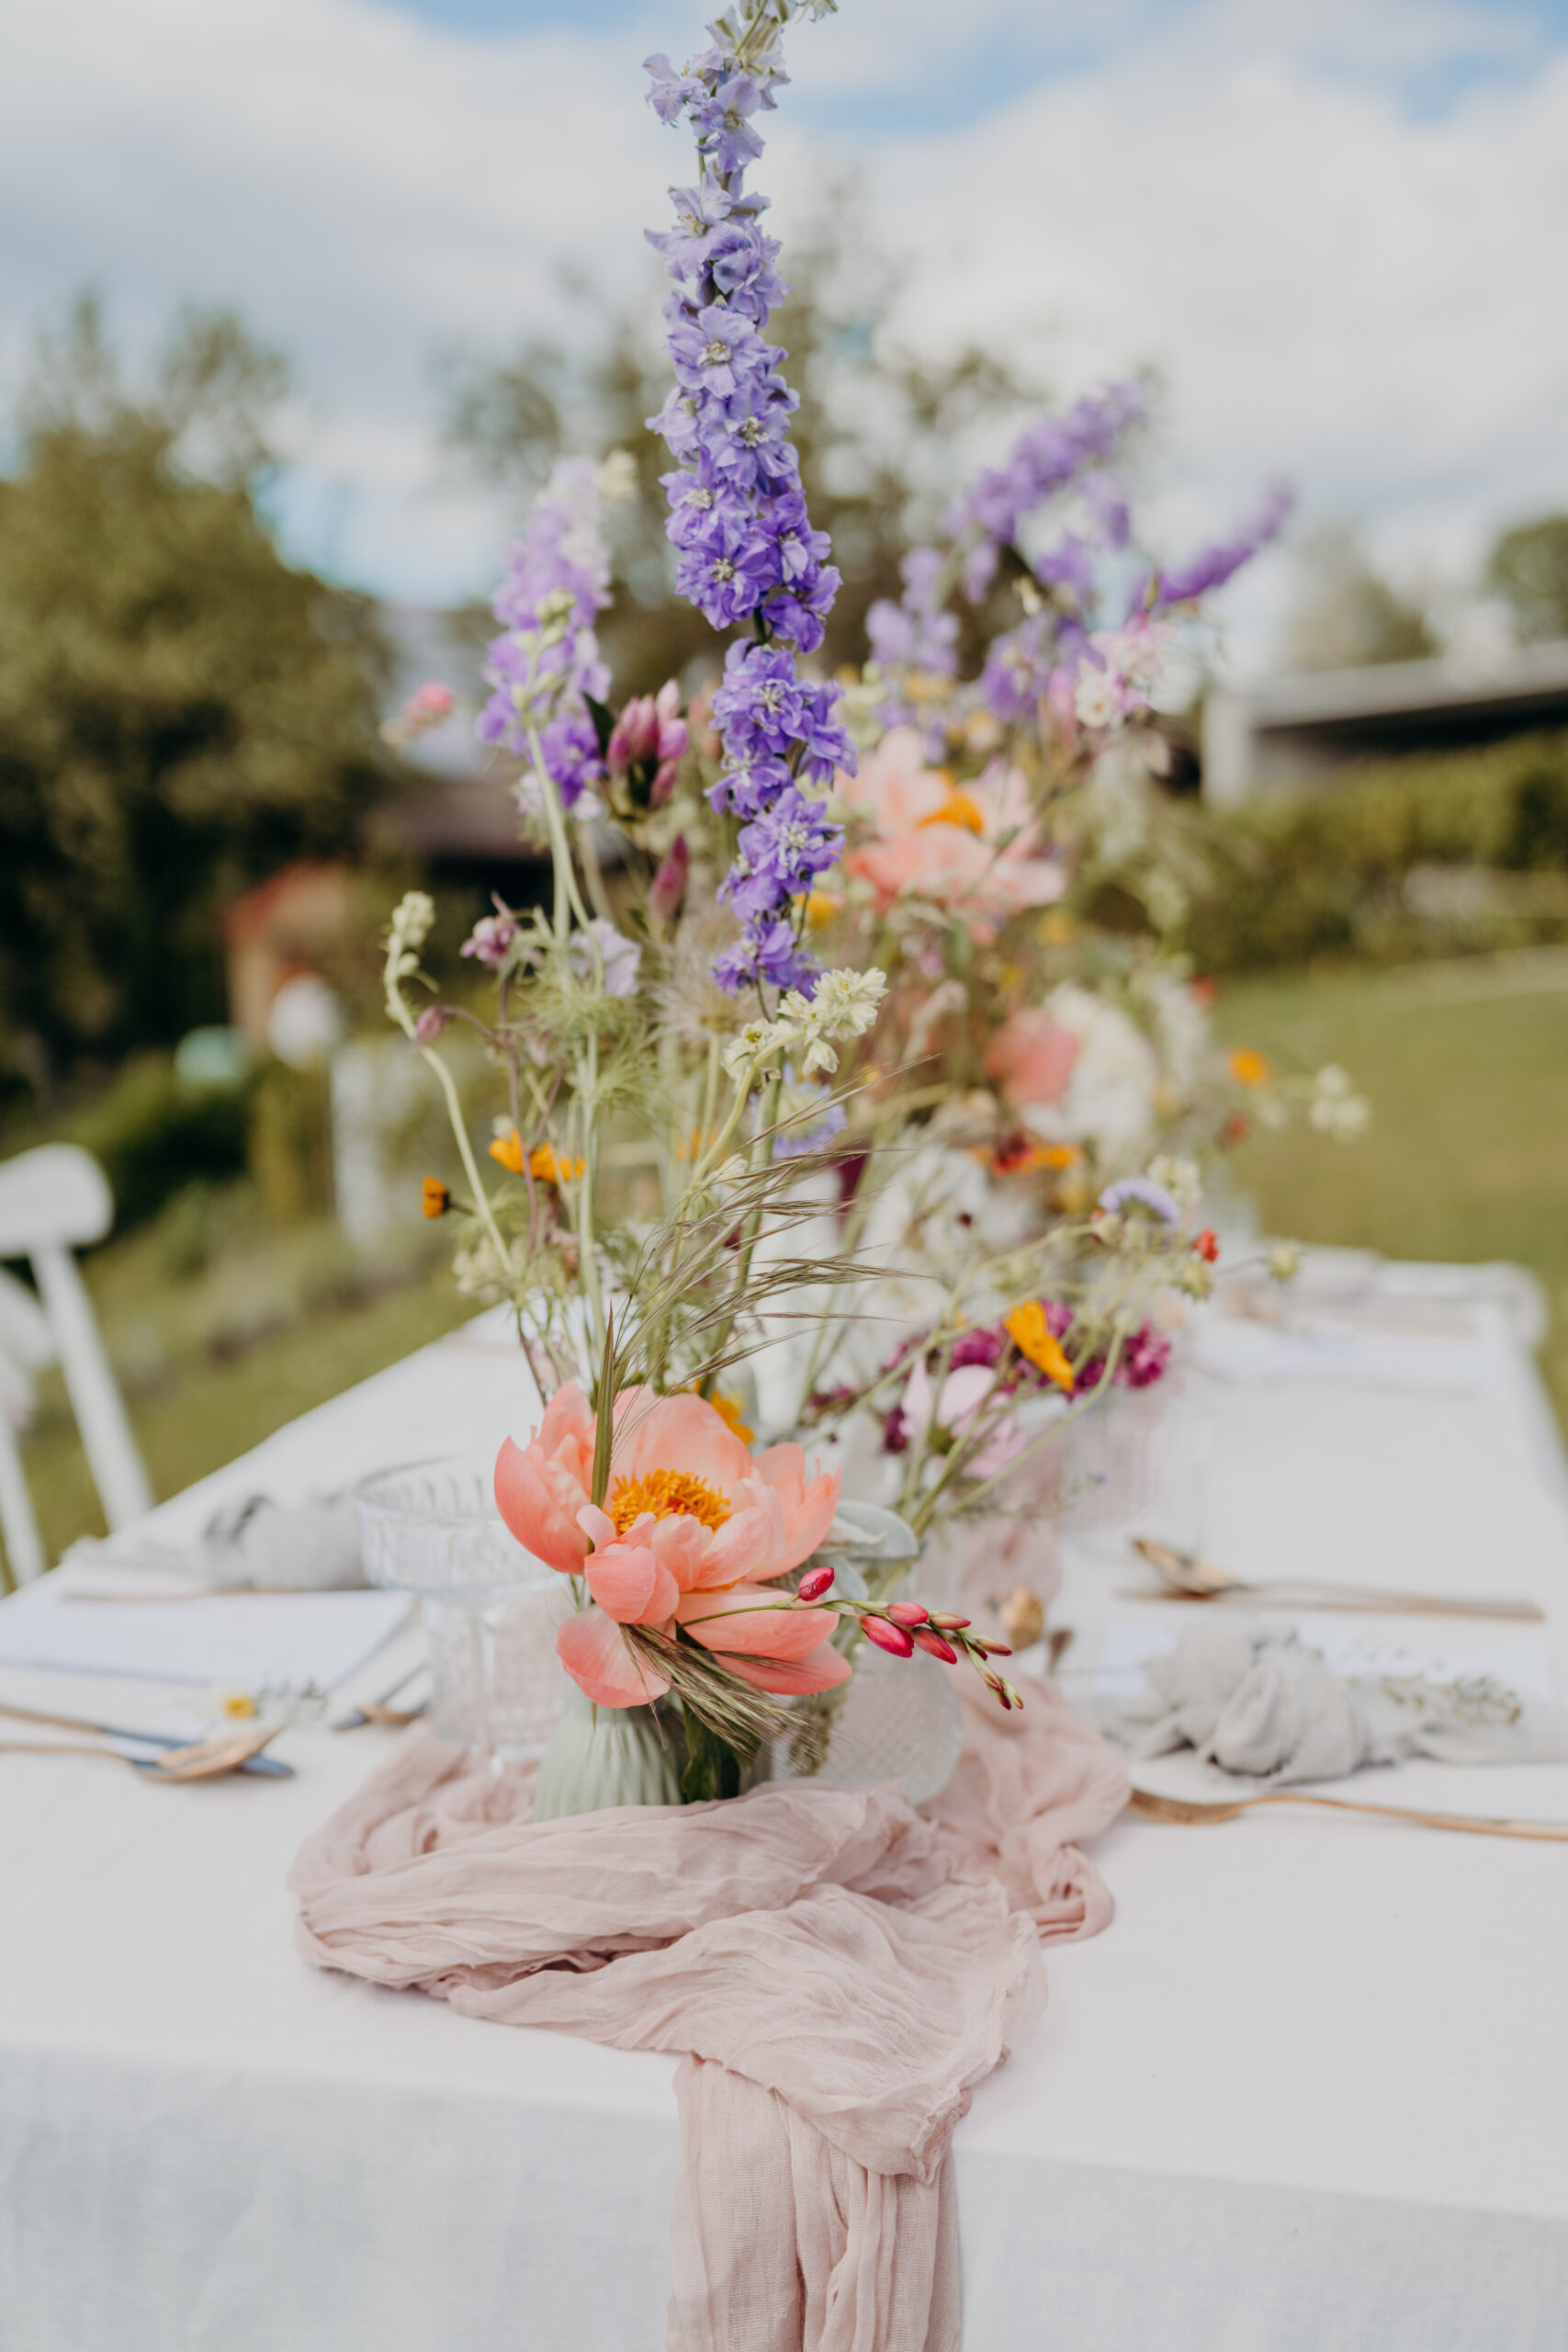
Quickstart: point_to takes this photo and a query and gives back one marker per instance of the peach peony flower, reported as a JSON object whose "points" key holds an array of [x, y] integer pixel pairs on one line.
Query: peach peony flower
{"points": [[1031, 1058], [693, 1524], [968, 850]]}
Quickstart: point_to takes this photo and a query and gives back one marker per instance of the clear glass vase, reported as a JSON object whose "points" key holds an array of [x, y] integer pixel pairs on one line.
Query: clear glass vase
{"points": [[896, 1718], [491, 1611]]}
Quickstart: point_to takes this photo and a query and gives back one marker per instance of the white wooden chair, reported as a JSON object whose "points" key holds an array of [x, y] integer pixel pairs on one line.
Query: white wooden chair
{"points": [[51, 1202]]}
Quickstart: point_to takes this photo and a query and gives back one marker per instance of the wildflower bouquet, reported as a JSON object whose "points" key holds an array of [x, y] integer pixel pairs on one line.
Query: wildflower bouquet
{"points": [[842, 986]]}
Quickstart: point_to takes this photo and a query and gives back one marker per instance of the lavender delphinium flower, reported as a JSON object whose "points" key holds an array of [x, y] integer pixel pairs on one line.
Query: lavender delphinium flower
{"points": [[1217, 564], [746, 551], [1043, 461], [546, 659]]}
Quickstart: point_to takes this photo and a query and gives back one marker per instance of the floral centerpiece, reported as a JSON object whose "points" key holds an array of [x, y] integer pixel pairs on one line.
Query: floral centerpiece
{"points": [[926, 1134]]}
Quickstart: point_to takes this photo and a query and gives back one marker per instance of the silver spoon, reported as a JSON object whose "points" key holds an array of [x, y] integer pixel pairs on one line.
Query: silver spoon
{"points": [[1191, 1578]]}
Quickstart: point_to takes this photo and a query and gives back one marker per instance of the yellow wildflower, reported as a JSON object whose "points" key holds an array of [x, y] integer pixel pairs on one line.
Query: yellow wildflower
{"points": [[1248, 1067], [435, 1198], [1033, 1337], [543, 1163], [508, 1150], [238, 1704]]}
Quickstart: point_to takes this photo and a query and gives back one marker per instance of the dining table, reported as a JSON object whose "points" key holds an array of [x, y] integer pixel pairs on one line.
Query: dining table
{"points": [[1307, 2093]]}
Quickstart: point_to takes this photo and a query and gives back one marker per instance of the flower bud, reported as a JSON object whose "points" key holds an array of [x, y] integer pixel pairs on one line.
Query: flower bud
{"points": [[815, 1583], [933, 1644], [991, 1649], [949, 1623], [431, 1023], [669, 885], [892, 1638], [908, 1612]]}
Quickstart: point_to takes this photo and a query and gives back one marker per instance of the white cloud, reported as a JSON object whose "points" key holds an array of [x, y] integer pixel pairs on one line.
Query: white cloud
{"points": [[1336, 283]]}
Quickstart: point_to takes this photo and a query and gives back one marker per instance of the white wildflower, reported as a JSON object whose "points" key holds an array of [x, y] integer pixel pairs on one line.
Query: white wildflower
{"points": [[616, 477], [1181, 1178], [1096, 698], [1285, 1261], [757, 1043]]}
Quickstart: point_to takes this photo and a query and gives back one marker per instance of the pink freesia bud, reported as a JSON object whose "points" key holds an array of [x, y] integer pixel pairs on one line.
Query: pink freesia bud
{"points": [[892, 1638], [668, 887], [992, 1650], [949, 1623], [815, 1583], [634, 737], [933, 1644], [908, 1612], [431, 1023]]}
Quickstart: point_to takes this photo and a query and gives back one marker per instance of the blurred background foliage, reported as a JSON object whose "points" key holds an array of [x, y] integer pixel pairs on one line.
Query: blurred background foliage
{"points": [[181, 711]]}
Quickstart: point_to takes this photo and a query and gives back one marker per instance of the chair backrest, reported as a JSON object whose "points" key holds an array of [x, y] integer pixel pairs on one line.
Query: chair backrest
{"points": [[51, 1202]]}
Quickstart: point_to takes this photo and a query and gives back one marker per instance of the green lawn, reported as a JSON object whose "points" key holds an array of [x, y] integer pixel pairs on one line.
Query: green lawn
{"points": [[1467, 1070], [213, 1359]]}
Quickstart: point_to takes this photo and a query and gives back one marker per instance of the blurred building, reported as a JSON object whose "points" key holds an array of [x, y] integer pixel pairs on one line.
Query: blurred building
{"points": [[292, 927], [1287, 734]]}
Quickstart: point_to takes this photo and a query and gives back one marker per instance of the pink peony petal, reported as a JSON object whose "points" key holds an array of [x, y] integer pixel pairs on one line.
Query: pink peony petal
{"points": [[746, 1619], [819, 1670], [539, 1500], [681, 1433], [810, 1501], [594, 1651], [631, 1584]]}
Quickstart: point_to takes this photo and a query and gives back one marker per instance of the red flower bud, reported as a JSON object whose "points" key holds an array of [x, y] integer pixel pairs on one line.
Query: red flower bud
{"points": [[949, 1623], [815, 1583], [933, 1644], [1206, 1245], [992, 1650], [892, 1638], [908, 1612]]}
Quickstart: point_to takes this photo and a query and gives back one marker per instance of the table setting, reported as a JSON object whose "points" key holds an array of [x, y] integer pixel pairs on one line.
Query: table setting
{"points": [[700, 1765]]}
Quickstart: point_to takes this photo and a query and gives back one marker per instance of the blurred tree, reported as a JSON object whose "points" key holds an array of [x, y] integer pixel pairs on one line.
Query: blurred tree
{"points": [[1528, 566], [181, 711], [1347, 615], [883, 435]]}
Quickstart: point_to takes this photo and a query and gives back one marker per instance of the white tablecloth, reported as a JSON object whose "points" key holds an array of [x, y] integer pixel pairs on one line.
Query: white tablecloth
{"points": [[1308, 2093]]}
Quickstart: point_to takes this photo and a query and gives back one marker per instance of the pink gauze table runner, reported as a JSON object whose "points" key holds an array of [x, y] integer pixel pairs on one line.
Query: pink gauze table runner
{"points": [[838, 1969]]}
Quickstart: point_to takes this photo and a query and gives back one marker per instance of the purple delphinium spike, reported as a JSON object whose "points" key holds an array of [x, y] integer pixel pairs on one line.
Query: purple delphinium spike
{"points": [[746, 553], [560, 554], [1217, 564]]}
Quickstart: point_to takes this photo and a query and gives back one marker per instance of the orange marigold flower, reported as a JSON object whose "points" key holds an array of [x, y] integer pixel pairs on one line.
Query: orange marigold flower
{"points": [[1248, 1068], [1033, 1337], [543, 1163]]}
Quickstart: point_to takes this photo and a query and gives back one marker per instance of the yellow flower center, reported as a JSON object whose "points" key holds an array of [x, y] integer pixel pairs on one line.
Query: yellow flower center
{"points": [[668, 1494], [958, 808]]}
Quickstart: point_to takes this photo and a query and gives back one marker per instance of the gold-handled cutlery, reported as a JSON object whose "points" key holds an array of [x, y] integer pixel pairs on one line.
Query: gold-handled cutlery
{"points": [[1195, 1812], [1189, 1577], [252, 1736], [199, 1760]]}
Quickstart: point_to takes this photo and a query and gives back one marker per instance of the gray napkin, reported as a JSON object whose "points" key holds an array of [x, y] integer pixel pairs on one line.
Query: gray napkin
{"points": [[1254, 1701], [309, 1547]]}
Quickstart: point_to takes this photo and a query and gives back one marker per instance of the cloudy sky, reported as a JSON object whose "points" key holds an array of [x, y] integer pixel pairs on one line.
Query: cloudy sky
{"points": [[1337, 227]]}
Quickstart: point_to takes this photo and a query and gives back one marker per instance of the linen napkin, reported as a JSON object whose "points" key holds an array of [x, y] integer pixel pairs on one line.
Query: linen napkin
{"points": [[836, 1969], [1260, 1704]]}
